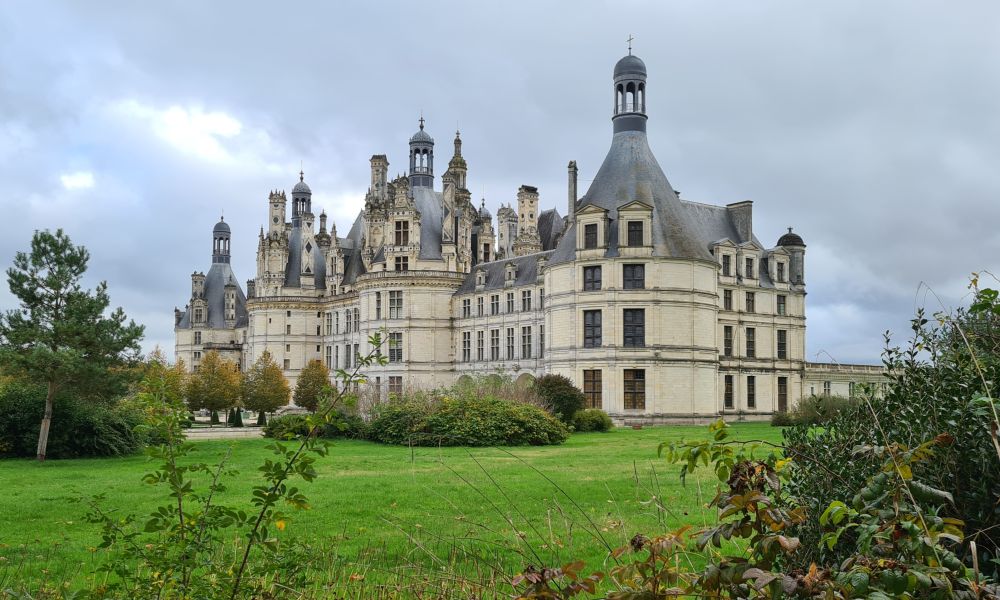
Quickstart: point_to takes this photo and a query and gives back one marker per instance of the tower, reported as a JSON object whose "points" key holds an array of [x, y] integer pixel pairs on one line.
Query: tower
{"points": [[421, 158], [380, 170], [527, 241], [301, 201], [792, 242], [220, 242], [276, 218], [630, 94], [507, 231]]}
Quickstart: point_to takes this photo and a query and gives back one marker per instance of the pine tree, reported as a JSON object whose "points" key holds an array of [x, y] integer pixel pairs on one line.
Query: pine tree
{"points": [[60, 334]]}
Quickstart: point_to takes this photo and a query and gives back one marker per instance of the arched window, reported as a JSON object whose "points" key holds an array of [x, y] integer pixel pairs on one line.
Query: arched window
{"points": [[619, 99], [641, 98], [630, 97]]}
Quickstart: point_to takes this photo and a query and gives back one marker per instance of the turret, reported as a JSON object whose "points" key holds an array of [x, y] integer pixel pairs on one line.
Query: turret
{"points": [[630, 94], [793, 243], [301, 200], [220, 242], [422, 158], [276, 218]]}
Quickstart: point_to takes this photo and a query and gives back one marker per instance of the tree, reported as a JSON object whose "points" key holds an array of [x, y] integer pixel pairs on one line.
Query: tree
{"points": [[312, 381], [560, 396], [60, 335], [215, 385], [265, 388]]}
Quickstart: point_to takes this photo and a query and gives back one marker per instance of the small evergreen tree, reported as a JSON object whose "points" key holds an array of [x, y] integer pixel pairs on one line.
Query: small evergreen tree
{"points": [[214, 386], [561, 397], [60, 335], [265, 388], [312, 381]]}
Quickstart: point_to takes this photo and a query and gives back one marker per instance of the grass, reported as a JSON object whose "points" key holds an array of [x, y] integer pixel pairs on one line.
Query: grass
{"points": [[521, 505]]}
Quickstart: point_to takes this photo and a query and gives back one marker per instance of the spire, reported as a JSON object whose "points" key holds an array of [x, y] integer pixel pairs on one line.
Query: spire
{"points": [[458, 143]]}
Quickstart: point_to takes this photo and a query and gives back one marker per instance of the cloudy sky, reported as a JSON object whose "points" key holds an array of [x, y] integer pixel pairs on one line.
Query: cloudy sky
{"points": [[871, 127]]}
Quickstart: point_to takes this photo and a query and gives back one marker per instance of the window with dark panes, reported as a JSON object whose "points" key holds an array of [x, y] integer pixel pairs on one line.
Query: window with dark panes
{"points": [[634, 326], [590, 236], [748, 269], [751, 302], [634, 233], [402, 263], [727, 340], [727, 265], [727, 299], [591, 278], [396, 305], [727, 397], [782, 344], [591, 329], [479, 306], [526, 342], [510, 343], [782, 304], [466, 346], [781, 272], [510, 302], [526, 300], [480, 345], [635, 389], [751, 342], [402, 233], [396, 347], [494, 344], [495, 304], [634, 277], [466, 307], [751, 391], [783, 394]]}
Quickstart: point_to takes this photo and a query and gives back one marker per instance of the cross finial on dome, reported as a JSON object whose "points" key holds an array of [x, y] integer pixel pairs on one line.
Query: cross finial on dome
{"points": [[629, 40], [421, 120], [789, 230], [302, 175]]}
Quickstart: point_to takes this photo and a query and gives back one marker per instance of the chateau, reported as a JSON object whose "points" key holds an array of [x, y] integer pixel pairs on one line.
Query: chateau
{"points": [[658, 308]]}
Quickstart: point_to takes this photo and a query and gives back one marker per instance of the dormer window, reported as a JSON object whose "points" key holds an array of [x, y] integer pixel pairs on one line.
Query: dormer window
{"points": [[590, 236], [748, 270], [511, 272], [727, 265], [402, 233], [635, 233], [480, 278], [781, 272]]}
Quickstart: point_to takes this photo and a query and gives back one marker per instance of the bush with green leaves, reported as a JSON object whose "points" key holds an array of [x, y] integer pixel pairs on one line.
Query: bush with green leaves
{"points": [[444, 420], [340, 425], [944, 382], [81, 428], [560, 396], [591, 419]]}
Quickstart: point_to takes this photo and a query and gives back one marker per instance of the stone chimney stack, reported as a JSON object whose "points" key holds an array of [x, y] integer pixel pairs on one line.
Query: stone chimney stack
{"points": [[741, 214], [571, 205]]}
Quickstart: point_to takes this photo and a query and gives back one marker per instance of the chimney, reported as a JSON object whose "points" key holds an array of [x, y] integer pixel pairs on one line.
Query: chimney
{"points": [[741, 215], [571, 207]]}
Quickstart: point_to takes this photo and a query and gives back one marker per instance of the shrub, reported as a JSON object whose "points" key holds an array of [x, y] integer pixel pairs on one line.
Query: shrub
{"points": [[560, 396], [939, 384], [592, 419], [79, 428], [782, 419], [427, 420], [340, 425]]}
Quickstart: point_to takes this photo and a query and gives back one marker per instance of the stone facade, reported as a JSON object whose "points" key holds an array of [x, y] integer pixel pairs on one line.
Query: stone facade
{"points": [[659, 308]]}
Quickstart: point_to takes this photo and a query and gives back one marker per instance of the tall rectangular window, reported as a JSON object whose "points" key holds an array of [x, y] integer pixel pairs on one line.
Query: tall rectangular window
{"points": [[288, 329], [402, 263], [590, 236], [727, 394], [479, 306], [510, 302], [634, 326], [782, 344], [634, 277], [347, 321], [727, 265], [781, 272], [197, 337], [751, 302], [634, 233], [541, 341], [402, 233], [751, 342], [328, 321], [378, 306], [336, 322], [526, 300], [591, 329], [336, 357], [751, 392], [357, 320], [466, 346], [495, 304], [592, 388], [329, 357], [395, 385], [826, 388], [510, 343], [591, 278], [748, 269], [782, 304], [480, 345], [357, 355], [494, 344], [396, 346], [727, 340], [466, 307], [287, 363], [347, 356], [635, 389], [727, 299], [783, 394], [526, 342], [396, 305]]}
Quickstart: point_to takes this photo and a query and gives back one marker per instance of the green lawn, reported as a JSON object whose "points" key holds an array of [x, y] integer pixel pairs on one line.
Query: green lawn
{"points": [[406, 503]]}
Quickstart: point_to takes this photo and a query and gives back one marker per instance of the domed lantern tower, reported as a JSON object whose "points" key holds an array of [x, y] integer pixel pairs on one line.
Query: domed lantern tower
{"points": [[630, 94], [421, 158]]}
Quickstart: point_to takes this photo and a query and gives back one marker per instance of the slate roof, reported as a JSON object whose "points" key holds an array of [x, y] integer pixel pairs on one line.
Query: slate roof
{"points": [[496, 272], [550, 225], [215, 297], [630, 173], [430, 204]]}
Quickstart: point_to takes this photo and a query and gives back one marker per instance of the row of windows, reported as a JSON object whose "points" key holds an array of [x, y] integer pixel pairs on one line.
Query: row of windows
{"points": [[748, 268], [633, 328], [633, 238], [751, 393], [750, 336], [494, 347], [526, 303], [633, 277], [781, 306], [633, 387]]}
